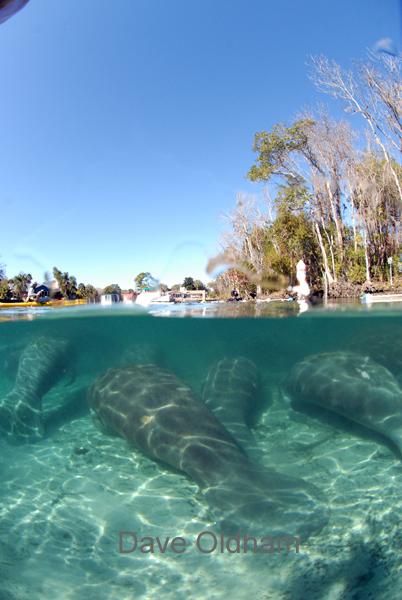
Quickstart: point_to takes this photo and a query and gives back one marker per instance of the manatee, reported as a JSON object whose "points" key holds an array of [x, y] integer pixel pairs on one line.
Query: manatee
{"points": [[353, 386], [159, 415], [231, 391], [40, 365], [384, 345]]}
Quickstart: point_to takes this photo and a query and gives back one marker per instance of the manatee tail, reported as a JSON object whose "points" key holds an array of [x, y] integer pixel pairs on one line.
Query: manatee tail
{"points": [[265, 502], [230, 391], [40, 366]]}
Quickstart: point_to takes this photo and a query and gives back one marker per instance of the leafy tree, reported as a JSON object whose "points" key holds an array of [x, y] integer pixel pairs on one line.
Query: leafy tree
{"points": [[5, 292], [113, 288], [145, 281], [67, 283], [274, 148], [20, 284], [188, 283], [293, 237], [198, 285], [88, 292]]}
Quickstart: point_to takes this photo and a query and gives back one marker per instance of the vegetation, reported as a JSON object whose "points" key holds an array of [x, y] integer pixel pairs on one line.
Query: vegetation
{"points": [[113, 288], [145, 281], [87, 292], [337, 201], [17, 288], [20, 284]]}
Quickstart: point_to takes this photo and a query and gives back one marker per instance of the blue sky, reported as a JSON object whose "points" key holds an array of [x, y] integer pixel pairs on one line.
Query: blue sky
{"points": [[126, 127]]}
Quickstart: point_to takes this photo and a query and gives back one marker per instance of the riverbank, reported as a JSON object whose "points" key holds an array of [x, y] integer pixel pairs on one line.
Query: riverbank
{"points": [[55, 303]]}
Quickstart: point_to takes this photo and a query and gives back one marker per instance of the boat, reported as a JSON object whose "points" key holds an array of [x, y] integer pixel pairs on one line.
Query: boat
{"points": [[164, 299], [146, 297], [372, 298]]}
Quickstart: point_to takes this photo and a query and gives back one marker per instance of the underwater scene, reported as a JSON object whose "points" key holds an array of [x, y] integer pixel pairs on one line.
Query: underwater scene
{"points": [[146, 457]]}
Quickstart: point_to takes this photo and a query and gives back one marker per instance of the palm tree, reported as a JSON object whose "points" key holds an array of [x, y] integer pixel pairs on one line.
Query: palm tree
{"points": [[20, 284]]}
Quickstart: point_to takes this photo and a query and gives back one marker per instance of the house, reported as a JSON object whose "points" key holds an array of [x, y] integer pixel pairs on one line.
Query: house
{"points": [[128, 296], [38, 292]]}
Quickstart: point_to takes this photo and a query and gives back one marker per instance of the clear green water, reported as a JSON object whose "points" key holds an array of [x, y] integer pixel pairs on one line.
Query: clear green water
{"points": [[65, 497]]}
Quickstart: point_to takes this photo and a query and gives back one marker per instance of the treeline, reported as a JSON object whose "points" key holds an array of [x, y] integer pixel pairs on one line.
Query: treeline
{"points": [[337, 200], [146, 281], [64, 286], [21, 287]]}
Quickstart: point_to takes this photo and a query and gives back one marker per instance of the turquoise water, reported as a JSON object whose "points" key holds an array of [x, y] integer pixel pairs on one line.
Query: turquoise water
{"points": [[69, 489]]}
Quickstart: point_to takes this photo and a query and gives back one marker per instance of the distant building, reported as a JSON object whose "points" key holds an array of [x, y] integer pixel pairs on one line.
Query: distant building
{"points": [[38, 292], [109, 298], [128, 296]]}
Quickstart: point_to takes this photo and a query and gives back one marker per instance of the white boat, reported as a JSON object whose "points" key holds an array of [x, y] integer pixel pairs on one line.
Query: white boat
{"points": [[371, 298], [164, 298], [146, 298]]}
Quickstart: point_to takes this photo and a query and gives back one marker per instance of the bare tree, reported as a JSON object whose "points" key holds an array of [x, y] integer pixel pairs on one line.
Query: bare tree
{"points": [[245, 241], [378, 209], [372, 93]]}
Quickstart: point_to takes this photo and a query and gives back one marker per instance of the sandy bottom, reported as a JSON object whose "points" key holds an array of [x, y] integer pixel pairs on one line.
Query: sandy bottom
{"points": [[64, 500]]}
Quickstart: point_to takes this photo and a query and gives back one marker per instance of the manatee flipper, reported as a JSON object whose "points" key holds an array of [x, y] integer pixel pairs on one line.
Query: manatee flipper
{"points": [[353, 386], [158, 414], [40, 365]]}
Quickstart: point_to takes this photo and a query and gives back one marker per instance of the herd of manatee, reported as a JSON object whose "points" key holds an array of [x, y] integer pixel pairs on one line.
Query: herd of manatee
{"points": [[209, 438]]}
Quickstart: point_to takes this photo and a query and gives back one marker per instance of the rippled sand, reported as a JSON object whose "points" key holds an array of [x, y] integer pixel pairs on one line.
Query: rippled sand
{"points": [[64, 499]]}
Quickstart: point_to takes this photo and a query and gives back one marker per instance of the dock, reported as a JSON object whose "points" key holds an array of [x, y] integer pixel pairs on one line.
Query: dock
{"points": [[373, 298]]}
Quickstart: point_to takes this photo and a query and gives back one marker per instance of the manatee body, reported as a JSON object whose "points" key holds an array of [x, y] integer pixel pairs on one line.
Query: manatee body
{"points": [[157, 413], [40, 365], [353, 386], [231, 392], [383, 345]]}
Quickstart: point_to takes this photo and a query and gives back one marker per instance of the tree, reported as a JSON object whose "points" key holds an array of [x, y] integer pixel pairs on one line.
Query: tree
{"points": [[198, 285], [88, 292], [231, 279], [294, 238], [311, 156], [145, 281], [113, 288], [374, 92], [245, 243], [188, 283], [378, 210], [5, 292], [20, 284], [67, 283]]}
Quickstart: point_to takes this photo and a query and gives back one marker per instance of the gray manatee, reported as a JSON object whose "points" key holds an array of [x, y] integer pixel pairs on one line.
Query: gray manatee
{"points": [[158, 414], [353, 386], [383, 345], [40, 365], [231, 392]]}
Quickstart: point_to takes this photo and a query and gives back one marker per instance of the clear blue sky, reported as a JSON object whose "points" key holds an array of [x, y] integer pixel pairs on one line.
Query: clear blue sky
{"points": [[126, 126]]}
